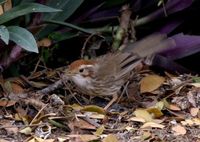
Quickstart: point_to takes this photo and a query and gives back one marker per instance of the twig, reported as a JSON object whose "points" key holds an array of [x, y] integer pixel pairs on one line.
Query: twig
{"points": [[85, 43], [38, 113]]}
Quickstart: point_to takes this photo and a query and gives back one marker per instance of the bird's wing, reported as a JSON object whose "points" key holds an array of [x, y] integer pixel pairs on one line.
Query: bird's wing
{"points": [[116, 66]]}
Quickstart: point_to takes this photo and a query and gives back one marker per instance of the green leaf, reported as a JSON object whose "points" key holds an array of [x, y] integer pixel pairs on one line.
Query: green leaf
{"points": [[23, 38], [24, 9], [57, 37], [68, 7], [4, 34], [71, 26]]}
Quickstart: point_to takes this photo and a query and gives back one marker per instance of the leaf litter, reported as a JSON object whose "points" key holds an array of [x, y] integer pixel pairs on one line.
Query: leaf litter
{"points": [[172, 114]]}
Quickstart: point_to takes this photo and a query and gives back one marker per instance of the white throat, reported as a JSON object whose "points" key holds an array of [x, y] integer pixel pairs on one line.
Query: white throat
{"points": [[81, 81]]}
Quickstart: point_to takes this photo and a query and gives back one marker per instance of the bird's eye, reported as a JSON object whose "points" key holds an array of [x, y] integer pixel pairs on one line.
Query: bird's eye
{"points": [[81, 70]]}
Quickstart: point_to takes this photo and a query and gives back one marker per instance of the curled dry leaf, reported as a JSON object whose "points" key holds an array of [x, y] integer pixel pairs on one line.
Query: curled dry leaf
{"points": [[179, 130], [136, 119], [152, 125], [151, 83]]}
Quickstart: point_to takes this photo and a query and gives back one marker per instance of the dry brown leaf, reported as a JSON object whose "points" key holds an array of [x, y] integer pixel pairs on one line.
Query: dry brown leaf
{"points": [[80, 123], [137, 119], [1, 10], [7, 103], [195, 84], [10, 129], [151, 83], [95, 115], [142, 113], [173, 107], [88, 138], [191, 122], [37, 139], [62, 139], [153, 125], [110, 138], [194, 111], [7, 5], [45, 42], [179, 130]]}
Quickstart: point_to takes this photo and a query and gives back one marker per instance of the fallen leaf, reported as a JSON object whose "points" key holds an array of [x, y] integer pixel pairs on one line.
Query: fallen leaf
{"points": [[152, 125], [155, 111], [1, 10], [151, 83], [94, 108], [191, 122], [80, 123], [76, 107], [160, 105], [45, 42], [194, 111], [142, 113], [128, 128], [10, 129], [26, 130], [7, 5], [179, 130], [88, 138], [6, 103], [146, 135], [136, 119], [62, 139], [99, 131], [173, 107], [110, 138]]}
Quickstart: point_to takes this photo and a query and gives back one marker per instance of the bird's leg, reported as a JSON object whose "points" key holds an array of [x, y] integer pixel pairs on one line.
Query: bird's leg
{"points": [[114, 99]]}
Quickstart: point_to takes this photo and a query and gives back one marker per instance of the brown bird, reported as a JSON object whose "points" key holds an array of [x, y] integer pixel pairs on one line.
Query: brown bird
{"points": [[105, 75]]}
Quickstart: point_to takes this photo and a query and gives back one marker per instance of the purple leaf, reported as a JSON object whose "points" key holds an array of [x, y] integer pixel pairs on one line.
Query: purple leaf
{"points": [[170, 26], [15, 54], [184, 45], [171, 6]]}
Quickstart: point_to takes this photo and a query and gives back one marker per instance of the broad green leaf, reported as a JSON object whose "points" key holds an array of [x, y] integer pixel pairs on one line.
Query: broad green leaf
{"points": [[4, 34], [24, 9], [68, 7], [23, 38]]}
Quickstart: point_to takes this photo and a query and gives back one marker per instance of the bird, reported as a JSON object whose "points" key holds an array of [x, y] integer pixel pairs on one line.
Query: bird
{"points": [[105, 75]]}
